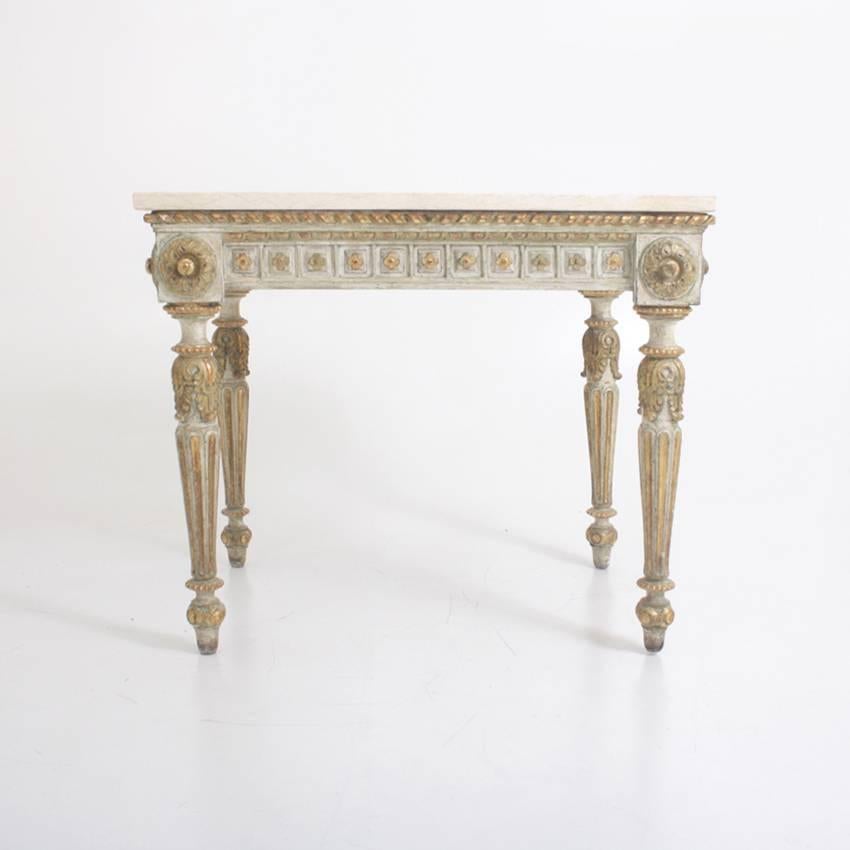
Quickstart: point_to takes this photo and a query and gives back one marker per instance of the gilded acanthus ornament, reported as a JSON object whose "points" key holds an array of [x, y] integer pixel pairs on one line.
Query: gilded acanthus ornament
{"points": [[601, 348], [186, 266], [195, 380], [668, 268], [232, 347], [661, 383]]}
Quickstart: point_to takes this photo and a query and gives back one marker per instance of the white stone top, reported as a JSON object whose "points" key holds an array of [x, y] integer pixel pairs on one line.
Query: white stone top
{"points": [[420, 202]]}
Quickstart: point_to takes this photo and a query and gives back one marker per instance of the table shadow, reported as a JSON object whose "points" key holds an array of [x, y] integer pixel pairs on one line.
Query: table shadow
{"points": [[103, 626]]}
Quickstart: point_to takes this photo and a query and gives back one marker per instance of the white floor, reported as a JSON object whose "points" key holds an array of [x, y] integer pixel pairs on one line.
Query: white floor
{"points": [[419, 653]]}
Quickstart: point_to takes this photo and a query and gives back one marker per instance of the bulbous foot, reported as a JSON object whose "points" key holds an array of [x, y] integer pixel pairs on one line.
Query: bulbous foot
{"points": [[236, 536], [601, 536], [654, 612], [206, 613]]}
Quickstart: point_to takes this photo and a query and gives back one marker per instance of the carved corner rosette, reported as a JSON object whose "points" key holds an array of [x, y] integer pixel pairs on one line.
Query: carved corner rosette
{"points": [[669, 270], [232, 347], [185, 267]]}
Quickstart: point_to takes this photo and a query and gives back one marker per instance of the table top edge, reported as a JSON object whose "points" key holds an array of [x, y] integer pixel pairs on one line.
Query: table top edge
{"points": [[402, 202]]}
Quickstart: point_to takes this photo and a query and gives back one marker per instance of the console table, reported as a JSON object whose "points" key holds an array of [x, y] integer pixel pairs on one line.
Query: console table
{"points": [[210, 250]]}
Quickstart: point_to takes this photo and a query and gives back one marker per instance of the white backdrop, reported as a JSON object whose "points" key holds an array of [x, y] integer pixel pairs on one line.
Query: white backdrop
{"points": [[418, 654]]}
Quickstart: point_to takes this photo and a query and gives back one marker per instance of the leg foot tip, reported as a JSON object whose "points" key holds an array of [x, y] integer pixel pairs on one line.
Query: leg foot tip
{"points": [[601, 555], [653, 641], [601, 559], [207, 642]]}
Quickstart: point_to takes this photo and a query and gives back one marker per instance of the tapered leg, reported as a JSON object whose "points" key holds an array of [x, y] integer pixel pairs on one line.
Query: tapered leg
{"points": [[601, 349], [661, 382], [231, 342], [196, 400]]}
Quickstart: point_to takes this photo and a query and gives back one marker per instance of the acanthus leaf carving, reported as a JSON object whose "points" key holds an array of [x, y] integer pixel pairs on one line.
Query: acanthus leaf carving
{"points": [[661, 384], [195, 381], [232, 346], [601, 348]]}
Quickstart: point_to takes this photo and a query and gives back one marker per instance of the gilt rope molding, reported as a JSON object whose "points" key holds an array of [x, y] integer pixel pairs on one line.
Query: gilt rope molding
{"points": [[210, 250]]}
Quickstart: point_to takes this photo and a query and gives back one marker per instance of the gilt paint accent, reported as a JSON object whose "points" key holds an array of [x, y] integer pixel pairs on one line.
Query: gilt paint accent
{"points": [[668, 268], [195, 378], [392, 217], [601, 349], [185, 266], [212, 250], [237, 237], [661, 383], [232, 348]]}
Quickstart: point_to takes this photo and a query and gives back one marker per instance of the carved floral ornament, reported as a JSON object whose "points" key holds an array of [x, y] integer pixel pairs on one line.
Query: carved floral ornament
{"points": [[186, 266], [668, 268]]}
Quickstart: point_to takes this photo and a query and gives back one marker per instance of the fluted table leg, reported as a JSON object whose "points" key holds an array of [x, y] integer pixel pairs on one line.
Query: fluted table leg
{"points": [[601, 349], [661, 383], [231, 342], [196, 400]]}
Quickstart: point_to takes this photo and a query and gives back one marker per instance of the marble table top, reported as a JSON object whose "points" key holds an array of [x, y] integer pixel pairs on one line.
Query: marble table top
{"points": [[423, 201]]}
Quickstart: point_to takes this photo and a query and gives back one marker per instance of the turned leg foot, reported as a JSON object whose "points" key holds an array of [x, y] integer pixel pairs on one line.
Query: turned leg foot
{"points": [[601, 349], [196, 398], [205, 613], [231, 342], [661, 382]]}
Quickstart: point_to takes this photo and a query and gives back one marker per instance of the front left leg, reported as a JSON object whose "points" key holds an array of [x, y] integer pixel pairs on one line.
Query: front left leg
{"points": [[231, 342], [196, 398], [601, 349], [661, 384]]}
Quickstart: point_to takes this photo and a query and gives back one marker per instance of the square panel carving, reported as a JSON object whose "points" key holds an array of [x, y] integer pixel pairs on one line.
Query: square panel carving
{"points": [[315, 260], [244, 261], [279, 261], [465, 261], [392, 260], [354, 260], [577, 261], [539, 261], [430, 260], [503, 261], [613, 261]]}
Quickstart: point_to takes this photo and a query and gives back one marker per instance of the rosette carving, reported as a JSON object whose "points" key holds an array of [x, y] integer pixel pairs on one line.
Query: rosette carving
{"points": [[668, 268], [186, 266]]}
